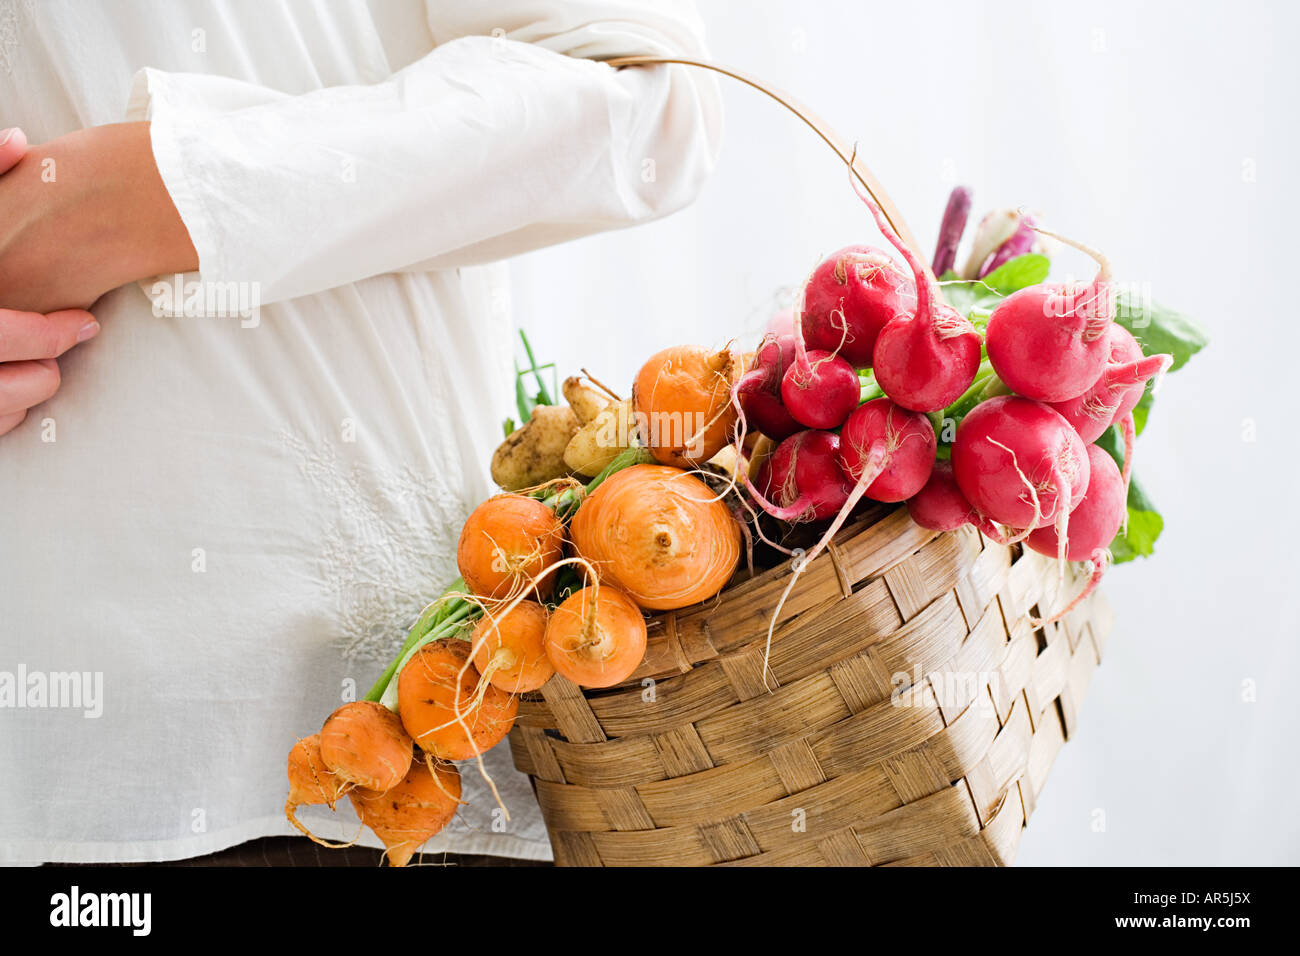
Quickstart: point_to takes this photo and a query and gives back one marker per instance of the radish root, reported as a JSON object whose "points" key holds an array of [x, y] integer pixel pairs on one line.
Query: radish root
{"points": [[1063, 496], [877, 457], [1100, 307], [1126, 474], [1098, 564], [1033, 496]]}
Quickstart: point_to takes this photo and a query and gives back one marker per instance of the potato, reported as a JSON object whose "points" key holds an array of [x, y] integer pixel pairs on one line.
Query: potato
{"points": [[534, 454], [585, 401], [601, 439], [727, 460]]}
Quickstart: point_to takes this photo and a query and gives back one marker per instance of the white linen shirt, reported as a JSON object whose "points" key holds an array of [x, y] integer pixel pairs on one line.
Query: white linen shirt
{"points": [[224, 524]]}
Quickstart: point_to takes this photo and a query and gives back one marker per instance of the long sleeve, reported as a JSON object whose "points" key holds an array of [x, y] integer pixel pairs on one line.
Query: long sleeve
{"points": [[507, 136]]}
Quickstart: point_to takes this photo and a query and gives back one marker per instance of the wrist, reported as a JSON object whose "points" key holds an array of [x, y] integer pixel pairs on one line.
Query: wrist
{"points": [[152, 237], [83, 214]]}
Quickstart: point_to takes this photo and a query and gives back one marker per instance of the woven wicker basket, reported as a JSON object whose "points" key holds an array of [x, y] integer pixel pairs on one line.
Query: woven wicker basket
{"points": [[848, 759], [909, 715]]}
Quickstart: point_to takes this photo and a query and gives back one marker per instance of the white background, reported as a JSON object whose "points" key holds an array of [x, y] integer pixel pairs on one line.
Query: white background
{"points": [[1163, 133]]}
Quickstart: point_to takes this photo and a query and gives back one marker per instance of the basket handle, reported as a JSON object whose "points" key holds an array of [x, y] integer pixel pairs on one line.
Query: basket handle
{"points": [[818, 126]]}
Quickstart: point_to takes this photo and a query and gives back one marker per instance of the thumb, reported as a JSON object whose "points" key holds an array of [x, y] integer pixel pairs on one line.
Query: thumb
{"points": [[13, 147], [29, 336]]}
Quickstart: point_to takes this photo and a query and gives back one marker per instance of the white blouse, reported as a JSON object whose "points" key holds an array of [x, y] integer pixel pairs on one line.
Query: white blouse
{"points": [[221, 526]]}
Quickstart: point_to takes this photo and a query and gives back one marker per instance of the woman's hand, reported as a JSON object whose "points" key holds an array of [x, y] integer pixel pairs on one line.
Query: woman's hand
{"points": [[83, 214], [30, 343]]}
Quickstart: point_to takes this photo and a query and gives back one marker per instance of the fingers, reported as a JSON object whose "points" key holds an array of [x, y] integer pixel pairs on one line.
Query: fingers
{"points": [[13, 145], [30, 335], [29, 344], [26, 384]]}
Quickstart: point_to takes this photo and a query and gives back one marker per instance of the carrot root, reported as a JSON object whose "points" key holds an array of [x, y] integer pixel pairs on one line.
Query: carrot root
{"points": [[290, 813]]}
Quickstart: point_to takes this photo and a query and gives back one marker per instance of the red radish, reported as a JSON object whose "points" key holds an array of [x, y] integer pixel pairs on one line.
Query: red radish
{"points": [[1049, 342], [1095, 520], [821, 393], [940, 505], [759, 389], [927, 364], [924, 360], [802, 480], [1117, 390], [1093, 524], [888, 451], [849, 298], [1015, 460], [1021, 464]]}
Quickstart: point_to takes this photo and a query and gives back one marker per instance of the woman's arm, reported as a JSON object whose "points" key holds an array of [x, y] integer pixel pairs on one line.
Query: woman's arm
{"points": [[486, 147], [83, 214]]}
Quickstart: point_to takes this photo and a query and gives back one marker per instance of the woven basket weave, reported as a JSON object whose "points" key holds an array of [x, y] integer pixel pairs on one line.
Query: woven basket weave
{"points": [[848, 759], [909, 714]]}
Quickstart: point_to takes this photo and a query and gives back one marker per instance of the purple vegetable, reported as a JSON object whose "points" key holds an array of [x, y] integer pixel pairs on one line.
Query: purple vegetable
{"points": [[950, 230], [1021, 242]]}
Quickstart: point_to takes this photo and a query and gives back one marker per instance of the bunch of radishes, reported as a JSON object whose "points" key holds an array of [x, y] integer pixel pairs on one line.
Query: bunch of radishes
{"points": [[1027, 394]]}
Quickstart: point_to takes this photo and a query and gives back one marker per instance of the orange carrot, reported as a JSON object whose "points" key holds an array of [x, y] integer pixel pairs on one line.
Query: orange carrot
{"points": [[510, 648], [310, 782], [682, 397], [509, 541], [436, 696], [408, 814], [596, 638], [364, 744], [660, 535]]}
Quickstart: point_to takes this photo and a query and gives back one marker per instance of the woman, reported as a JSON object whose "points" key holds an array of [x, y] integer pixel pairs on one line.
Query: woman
{"points": [[271, 423]]}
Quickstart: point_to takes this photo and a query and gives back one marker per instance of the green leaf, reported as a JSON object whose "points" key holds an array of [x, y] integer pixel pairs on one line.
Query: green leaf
{"points": [[1144, 527], [868, 388], [1112, 443], [982, 295], [1160, 329], [568, 581], [568, 501], [1142, 410], [1018, 273], [967, 297], [522, 403], [543, 396]]}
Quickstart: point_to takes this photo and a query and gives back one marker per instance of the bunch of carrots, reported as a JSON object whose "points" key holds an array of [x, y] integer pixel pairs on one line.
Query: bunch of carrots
{"points": [[873, 387], [555, 579]]}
